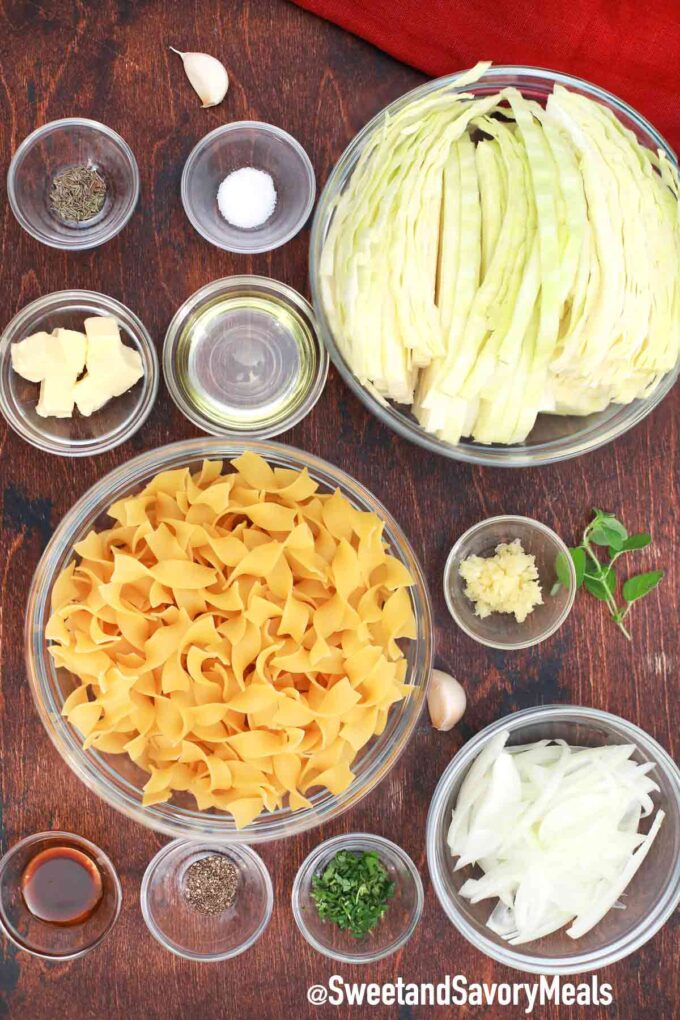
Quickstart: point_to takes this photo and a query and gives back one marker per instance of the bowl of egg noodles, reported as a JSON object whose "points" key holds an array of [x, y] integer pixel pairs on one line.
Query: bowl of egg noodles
{"points": [[229, 640]]}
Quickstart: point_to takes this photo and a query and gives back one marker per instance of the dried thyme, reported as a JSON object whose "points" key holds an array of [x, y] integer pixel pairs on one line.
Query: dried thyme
{"points": [[78, 193]]}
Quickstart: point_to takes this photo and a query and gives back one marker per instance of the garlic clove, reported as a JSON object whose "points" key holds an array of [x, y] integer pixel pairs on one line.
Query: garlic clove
{"points": [[207, 75], [446, 700]]}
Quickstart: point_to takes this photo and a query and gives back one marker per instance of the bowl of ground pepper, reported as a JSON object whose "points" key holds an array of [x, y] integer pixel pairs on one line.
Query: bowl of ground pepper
{"points": [[73, 184], [206, 902]]}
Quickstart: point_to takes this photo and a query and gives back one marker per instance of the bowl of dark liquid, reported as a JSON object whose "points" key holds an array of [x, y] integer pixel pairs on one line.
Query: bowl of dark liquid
{"points": [[59, 895]]}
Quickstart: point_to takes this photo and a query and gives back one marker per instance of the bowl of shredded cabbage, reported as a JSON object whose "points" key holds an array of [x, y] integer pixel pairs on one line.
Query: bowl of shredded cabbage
{"points": [[229, 640], [553, 839], [495, 266]]}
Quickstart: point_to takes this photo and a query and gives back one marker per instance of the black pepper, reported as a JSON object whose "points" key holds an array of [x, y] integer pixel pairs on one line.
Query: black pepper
{"points": [[210, 884]]}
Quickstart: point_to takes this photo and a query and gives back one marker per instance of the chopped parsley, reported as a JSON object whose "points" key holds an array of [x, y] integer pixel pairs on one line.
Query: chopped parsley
{"points": [[353, 891]]}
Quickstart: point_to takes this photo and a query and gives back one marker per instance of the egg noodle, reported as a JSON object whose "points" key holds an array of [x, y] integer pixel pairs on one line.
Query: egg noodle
{"points": [[236, 634]]}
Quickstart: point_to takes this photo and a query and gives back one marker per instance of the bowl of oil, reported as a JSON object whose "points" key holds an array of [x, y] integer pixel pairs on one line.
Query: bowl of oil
{"points": [[241, 357]]}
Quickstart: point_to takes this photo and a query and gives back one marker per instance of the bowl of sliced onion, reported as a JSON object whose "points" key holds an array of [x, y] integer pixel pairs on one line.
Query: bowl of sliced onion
{"points": [[553, 839]]}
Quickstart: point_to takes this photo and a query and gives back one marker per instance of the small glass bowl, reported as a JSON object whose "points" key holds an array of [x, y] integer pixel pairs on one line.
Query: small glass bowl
{"points": [[56, 147], [654, 892], [78, 436], [52, 941], [501, 630], [241, 357], [265, 147], [185, 931], [392, 931]]}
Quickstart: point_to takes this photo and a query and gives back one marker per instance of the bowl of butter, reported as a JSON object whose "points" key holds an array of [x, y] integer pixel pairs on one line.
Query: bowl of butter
{"points": [[78, 373]]}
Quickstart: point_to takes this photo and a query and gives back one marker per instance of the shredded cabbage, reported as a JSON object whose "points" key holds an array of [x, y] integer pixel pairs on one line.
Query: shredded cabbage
{"points": [[492, 259]]}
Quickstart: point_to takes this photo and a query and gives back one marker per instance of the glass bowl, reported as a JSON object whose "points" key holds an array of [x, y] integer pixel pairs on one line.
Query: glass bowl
{"points": [[392, 931], [53, 941], [56, 147], [185, 931], [651, 897], [248, 143], [114, 777], [78, 436], [553, 438], [242, 357], [501, 630]]}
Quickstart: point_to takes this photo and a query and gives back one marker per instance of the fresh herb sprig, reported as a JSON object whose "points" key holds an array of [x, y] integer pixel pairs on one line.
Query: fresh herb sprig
{"points": [[598, 576], [353, 891]]}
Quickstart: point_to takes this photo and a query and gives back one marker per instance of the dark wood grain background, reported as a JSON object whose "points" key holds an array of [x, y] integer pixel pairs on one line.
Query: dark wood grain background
{"points": [[110, 61]]}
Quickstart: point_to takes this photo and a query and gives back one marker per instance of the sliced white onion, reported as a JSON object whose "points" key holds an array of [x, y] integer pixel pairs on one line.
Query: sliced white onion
{"points": [[587, 920], [554, 830]]}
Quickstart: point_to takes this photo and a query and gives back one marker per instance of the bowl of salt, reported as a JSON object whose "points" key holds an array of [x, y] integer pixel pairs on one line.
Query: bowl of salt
{"points": [[248, 187]]}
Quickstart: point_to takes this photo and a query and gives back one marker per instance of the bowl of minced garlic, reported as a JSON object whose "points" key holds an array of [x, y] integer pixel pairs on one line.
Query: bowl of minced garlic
{"points": [[499, 582]]}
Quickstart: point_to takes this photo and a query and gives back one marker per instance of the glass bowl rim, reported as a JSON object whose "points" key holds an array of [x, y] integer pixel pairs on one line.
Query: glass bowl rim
{"points": [[89, 768], [268, 129], [515, 957], [225, 284], [538, 526], [93, 851], [380, 843], [550, 451], [127, 209], [148, 391], [242, 849]]}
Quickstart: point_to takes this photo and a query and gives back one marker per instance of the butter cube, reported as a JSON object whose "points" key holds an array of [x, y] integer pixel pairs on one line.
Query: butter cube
{"points": [[55, 361], [125, 370], [56, 396], [90, 393], [112, 367], [71, 349], [31, 357], [101, 330]]}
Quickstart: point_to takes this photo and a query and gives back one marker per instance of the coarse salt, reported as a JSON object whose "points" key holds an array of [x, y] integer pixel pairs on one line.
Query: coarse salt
{"points": [[247, 197]]}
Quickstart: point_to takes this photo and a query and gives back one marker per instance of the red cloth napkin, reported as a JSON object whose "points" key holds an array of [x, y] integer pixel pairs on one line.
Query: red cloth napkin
{"points": [[630, 48]]}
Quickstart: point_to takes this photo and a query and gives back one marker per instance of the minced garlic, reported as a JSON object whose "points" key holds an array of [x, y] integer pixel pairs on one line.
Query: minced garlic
{"points": [[504, 583]]}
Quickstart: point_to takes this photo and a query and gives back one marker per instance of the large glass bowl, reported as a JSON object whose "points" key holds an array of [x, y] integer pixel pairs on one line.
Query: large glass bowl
{"points": [[114, 777], [554, 437], [651, 897]]}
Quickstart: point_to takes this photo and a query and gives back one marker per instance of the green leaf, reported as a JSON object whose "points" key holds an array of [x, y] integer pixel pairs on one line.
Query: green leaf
{"points": [[601, 585], [641, 584], [609, 531], [638, 541], [578, 555], [562, 570]]}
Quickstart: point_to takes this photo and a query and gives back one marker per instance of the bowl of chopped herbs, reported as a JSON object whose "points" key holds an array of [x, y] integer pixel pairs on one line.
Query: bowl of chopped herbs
{"points": [[357, 898]]}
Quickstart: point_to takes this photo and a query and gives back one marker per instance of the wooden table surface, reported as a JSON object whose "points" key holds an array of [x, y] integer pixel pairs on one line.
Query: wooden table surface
{"points": [[110, 61]]}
